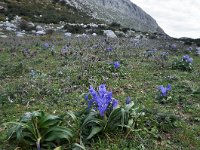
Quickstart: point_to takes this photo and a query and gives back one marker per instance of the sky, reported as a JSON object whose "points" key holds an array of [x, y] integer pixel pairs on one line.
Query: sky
{"points": [[178, 18]]}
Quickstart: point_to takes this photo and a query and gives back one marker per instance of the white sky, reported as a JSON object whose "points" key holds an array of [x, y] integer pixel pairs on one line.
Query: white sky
{"points": [[178, 18]]}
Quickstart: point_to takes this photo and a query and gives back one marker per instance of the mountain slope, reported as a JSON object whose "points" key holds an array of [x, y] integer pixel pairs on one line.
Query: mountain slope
{"points": [[121, 11]]}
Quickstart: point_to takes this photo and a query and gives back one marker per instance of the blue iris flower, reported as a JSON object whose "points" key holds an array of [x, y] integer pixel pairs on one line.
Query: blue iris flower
{"points": [[116, 64], [164, 90], [101, 100], [187, 58], [189, 49], [109, 48], [128, 100]]}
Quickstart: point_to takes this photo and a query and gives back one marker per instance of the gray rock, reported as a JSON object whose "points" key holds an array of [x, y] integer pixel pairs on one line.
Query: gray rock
{"points": [[121, 11], [10, 29], [7, 24], [68, 34], [94, 34], [198, 51], [20, 34], [140, 36], [40, 32], [39, 28], [3, 36], [82, 35], [110, 34]]}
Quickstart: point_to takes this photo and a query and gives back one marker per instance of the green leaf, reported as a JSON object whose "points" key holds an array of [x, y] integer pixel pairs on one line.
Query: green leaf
{"points": [[115, 117], [58, 148], [94, 131], [58, 133], [78, 146]]}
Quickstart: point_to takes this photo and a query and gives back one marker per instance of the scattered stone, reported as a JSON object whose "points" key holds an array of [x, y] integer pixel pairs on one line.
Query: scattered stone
{"points": [[68, 34], [7, 24], [39, 28], [140, 36], [110, 34], [3, 36], [20, 34], [82, 35], [40, 32], [198, 51], [33, 31], [10, 29], [94, 34]]}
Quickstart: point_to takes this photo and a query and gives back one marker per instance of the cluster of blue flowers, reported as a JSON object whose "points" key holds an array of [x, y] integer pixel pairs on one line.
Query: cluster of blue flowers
{"points": [[164, 90], [116, 64], [187, 59], [101, 100]]}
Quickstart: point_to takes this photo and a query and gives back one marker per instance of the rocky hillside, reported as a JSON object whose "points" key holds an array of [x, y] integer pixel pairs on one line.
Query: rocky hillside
{"points": [[123, 12], [43, 11]]}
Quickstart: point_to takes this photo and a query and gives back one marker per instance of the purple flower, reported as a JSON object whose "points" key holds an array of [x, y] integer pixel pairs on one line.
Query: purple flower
{"points": [[189, 49], [174, 46], [164, 90], [46, 45], [116, 64], [109, 48], [128, 100], [101, 100], [115, 103], [187, 59]]}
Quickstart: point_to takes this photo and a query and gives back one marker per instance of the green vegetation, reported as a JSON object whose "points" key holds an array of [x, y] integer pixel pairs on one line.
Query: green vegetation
{"points": [[36, 78], [50, 12]]}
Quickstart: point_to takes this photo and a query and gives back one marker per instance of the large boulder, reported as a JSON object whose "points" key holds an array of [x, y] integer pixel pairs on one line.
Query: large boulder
{"points": [[110, 34], [198, 51]]}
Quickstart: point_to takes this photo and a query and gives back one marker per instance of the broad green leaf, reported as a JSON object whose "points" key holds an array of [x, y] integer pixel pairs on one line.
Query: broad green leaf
{"points": [[58, 148], [56, 133], [115, 117], [94, 131]]}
